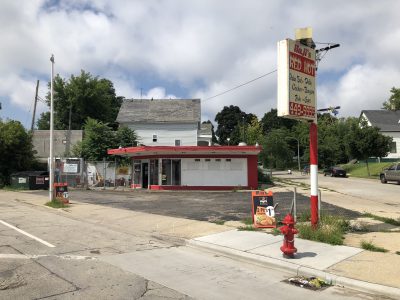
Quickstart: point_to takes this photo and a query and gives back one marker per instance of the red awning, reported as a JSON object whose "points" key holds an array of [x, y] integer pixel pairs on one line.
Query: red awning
{"points": [[185, 150]]}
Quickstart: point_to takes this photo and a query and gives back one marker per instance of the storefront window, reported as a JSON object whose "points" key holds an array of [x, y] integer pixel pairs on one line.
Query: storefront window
{"points": [[171, 172], [137, 169], [154, 171]]}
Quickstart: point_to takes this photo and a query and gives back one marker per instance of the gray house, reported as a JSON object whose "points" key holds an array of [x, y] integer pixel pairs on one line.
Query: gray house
{"points": [[389, 124], [165, 122], [63, 141]]}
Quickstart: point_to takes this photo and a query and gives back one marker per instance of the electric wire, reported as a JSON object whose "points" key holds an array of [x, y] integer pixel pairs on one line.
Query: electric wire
{"points": [[240, 85]]}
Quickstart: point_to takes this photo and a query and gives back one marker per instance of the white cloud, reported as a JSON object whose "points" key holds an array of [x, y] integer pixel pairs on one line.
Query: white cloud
{"points": [[201, 46]]}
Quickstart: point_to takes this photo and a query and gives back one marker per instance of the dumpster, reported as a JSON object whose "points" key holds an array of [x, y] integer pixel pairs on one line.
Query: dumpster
{"points": [[30, 180]]}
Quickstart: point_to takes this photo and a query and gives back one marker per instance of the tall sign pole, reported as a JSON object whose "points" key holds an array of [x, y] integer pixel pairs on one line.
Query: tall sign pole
{"points": [[51, 162], [297, 96]]}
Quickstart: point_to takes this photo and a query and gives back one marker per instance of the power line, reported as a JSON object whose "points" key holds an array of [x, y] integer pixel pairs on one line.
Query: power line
{"points": [[240, 85]]}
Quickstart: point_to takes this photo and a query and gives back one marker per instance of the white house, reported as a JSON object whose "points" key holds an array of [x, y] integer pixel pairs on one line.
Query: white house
{"points": [[175, 151], [388, 123]]}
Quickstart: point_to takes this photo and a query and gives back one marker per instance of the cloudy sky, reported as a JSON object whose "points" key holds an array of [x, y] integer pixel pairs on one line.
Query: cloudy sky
{"points": [[197, 49]]}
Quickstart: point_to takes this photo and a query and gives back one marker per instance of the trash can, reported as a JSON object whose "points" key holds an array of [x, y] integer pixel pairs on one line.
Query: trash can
{"points": [[61, 192]]}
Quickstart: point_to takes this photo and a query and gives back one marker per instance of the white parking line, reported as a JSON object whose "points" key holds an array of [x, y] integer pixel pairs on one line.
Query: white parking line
{"points": [[66, 257], [27, 234]]}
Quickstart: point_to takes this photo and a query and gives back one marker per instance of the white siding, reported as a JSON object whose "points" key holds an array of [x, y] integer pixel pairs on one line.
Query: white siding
{"points": [[396, 139], [166, 134], [214, 173]]}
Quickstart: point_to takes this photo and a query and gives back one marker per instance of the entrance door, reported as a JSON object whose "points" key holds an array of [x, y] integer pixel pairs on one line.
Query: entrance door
{"points": [[145, 175]]}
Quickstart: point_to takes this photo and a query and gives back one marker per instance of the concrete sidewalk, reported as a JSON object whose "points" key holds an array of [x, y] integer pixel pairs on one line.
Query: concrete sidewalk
{"points": [[312, 259]]}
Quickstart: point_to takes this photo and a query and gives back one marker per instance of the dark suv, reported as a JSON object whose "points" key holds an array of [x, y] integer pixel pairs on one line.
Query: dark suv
{"points": [[391, 174], [335, 172]]}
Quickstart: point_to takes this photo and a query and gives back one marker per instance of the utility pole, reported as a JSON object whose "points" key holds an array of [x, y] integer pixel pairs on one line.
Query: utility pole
{"points": [[68, 144], [34, 106], [51, 177]]}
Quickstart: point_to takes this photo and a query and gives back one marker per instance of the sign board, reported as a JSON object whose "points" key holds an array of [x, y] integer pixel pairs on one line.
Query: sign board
{"points": [[263, 212], [21, 180], [61, 192], [70, 168], [296, 80]]}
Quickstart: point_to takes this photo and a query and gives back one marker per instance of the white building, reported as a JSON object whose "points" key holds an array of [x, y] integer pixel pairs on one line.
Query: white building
{"points": [[175, 152], [388, 123]]}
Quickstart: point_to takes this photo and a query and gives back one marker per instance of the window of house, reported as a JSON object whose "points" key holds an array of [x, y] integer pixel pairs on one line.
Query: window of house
{"points": [[228, 159], [154, 138], [177, 142], [207, 159], [393, 147]]}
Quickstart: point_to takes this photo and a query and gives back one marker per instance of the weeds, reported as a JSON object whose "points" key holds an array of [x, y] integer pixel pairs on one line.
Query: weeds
{"points": [[390, 221], [218, 222], [248, 228], [330, 230], [371, 247], [57, 204], [397, 252], [247, 221]]}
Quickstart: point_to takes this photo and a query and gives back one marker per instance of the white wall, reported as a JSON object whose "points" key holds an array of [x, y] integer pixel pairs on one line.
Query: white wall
{"points": [[214, 173], [396, 138], [166, 134]]}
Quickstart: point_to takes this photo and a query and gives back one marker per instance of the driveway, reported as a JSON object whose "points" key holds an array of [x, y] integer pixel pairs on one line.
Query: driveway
{"points": [[201, 206]]}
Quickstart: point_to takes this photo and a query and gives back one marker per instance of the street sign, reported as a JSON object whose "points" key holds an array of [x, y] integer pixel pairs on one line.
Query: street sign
{"points": [[296, 80]]}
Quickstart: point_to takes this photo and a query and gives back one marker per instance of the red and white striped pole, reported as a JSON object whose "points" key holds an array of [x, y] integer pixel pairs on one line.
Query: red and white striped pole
{"points": [[314, 173]]}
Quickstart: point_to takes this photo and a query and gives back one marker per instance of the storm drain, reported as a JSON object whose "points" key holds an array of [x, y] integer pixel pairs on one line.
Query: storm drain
{"points": [[309, 283]]}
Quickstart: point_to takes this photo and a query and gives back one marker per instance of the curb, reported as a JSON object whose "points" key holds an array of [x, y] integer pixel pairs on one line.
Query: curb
{"points": [[281, 264]]}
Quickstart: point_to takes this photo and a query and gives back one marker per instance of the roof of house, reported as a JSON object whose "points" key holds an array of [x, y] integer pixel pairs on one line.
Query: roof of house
{"points": [[385, 120], [205, 129], [160, 111]]}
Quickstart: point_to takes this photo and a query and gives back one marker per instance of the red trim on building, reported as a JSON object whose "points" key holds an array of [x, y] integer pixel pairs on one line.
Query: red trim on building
{"points": [[252, 172], [192, 156], [194, 188]]}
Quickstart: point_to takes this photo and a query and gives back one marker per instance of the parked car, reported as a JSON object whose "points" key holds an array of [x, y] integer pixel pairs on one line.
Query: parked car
{"points": [[391, 174], [335, 172]]}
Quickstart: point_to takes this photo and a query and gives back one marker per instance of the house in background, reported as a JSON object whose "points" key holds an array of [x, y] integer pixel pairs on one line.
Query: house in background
{"points": [[388, 123], [175, 152], [63, 142]]}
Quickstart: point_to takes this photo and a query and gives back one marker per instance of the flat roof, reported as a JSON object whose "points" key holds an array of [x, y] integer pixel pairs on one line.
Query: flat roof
{"points": [[185, 150]]}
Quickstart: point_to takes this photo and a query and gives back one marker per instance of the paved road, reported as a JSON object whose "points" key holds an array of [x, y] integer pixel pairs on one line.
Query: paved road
{"points": [[79, 253], [201, 206]]}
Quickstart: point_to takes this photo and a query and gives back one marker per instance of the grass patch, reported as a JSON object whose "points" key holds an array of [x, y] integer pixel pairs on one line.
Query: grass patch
{"points": [[218, 222], [248, 228], [13, 189], [397, 252], [371, 247], [360, 169], [330, 230], [247, 221], [56, 204], [275, 231], [390, 221]]}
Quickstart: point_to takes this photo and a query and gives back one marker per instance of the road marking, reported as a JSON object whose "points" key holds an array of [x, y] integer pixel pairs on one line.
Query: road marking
{"points": [[28, 234], [66, 257]]}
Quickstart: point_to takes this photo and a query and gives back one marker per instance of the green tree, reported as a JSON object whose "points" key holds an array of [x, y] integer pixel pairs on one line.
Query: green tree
{"points": [[99, 137], [16, 150], [364, 141], [271, 121], [81, 97], [393, 103], [228, 119], [276, 152], [213, 137], [43, 123]]}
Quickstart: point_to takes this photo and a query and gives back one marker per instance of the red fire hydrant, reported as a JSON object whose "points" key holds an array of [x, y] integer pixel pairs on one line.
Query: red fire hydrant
{"points": [[288, 232]]}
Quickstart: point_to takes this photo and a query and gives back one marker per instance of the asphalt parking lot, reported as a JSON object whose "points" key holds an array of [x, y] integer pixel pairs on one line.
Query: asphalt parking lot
{"points": [[201, 206]]}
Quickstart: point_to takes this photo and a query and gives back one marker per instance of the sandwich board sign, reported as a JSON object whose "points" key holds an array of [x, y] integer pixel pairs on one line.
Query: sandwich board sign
{"points": [[263, 212], [296, 80]]}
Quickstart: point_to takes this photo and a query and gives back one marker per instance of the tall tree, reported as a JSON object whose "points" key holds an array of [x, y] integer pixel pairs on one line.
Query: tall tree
{"points": [[271, 121], [16, 149], [213, 137], [228, 119], [99, 137], [393, 103], [276, 152], [365, 141], [81, 97]]}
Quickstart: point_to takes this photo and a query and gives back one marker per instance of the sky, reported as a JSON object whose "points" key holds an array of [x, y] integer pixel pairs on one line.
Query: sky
{"points": [[197, 49]]}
